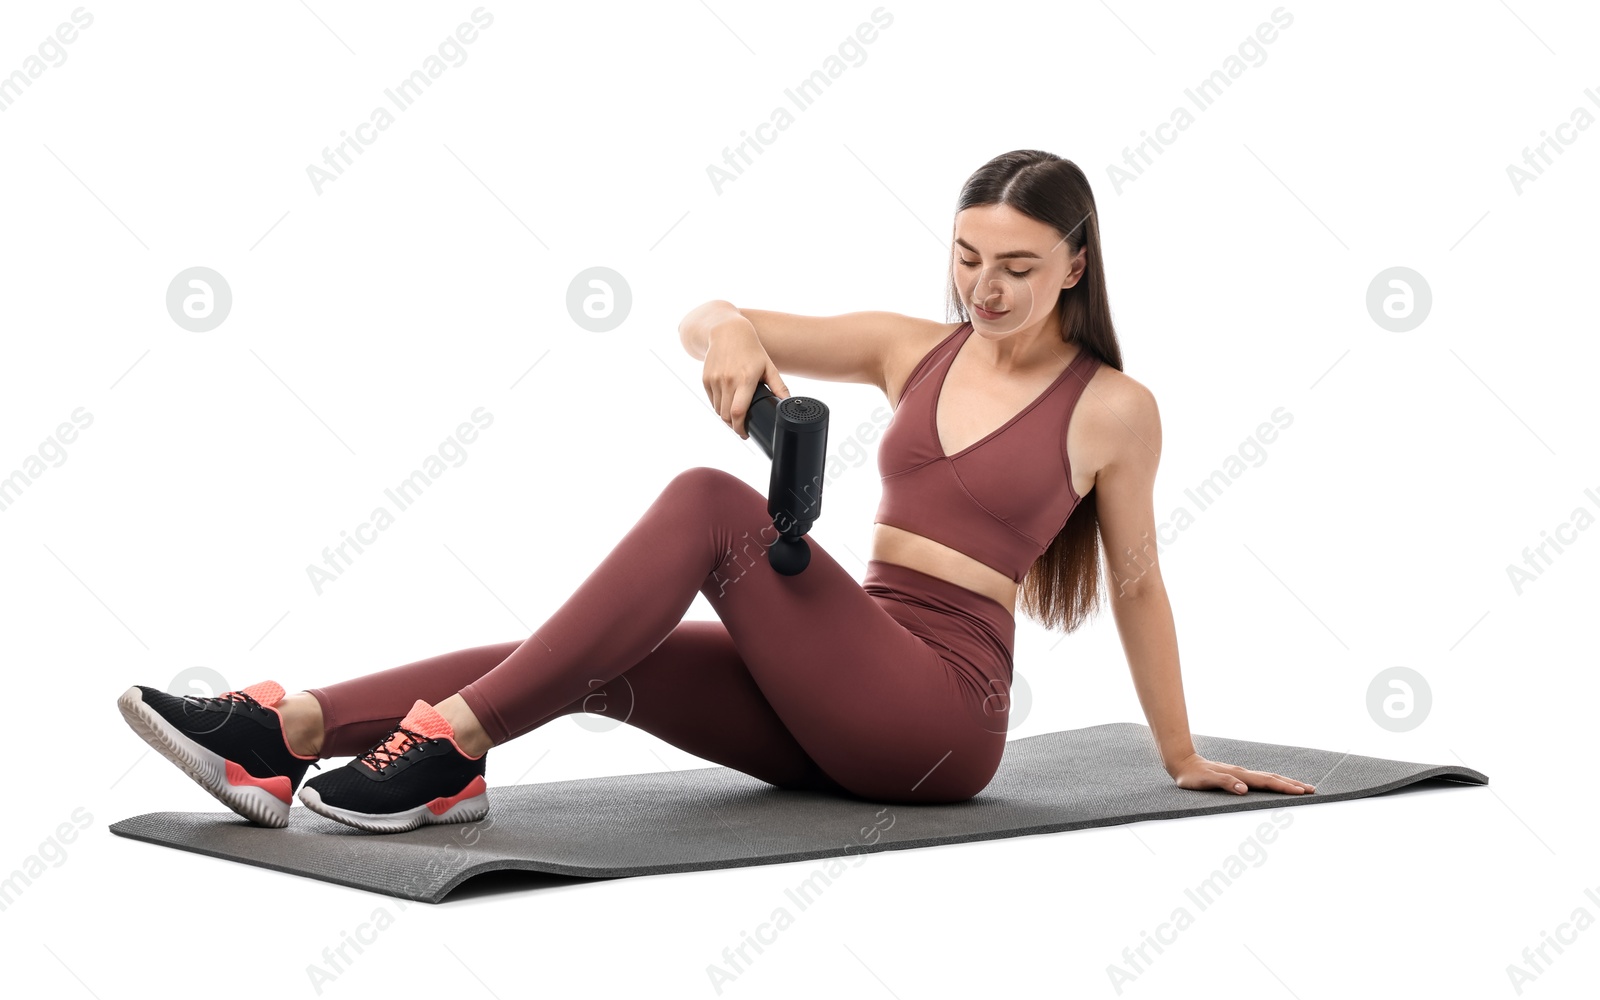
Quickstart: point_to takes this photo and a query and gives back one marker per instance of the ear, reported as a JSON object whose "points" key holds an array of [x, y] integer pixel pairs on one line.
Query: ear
{"points": [[1075, 271]]}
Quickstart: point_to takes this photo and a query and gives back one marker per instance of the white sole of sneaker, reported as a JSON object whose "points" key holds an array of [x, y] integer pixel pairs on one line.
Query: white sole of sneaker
{"points": [[208, 769], [468, 810]]}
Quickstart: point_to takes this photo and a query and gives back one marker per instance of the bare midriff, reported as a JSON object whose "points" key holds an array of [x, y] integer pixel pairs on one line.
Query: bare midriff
{"points": [[923, 554]]}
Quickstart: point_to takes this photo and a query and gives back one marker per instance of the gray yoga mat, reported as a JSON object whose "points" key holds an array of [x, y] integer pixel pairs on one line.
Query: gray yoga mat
{"points": [[715, 817]]}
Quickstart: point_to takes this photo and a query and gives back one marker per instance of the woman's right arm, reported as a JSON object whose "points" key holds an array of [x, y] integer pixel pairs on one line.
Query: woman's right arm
{"points": [[744, 346]]}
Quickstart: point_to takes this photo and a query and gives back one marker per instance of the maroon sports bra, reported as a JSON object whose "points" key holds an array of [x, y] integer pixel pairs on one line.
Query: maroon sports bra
{"points": [[1000, 500]]}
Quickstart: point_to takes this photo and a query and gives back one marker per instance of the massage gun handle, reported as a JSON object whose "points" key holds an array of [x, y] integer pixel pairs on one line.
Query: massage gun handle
{"points": [[761, 419]]}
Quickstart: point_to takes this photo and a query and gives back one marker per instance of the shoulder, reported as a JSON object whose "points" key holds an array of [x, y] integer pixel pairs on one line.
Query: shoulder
{"points": [[1116, 420], [914, 337], [912, 341]]}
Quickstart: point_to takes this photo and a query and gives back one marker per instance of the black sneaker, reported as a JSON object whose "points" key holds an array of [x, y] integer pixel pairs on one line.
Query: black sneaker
{"points": [[417, 774], [232, 744]]}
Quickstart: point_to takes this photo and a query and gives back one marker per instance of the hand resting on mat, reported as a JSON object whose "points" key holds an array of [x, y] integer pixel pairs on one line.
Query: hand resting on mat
{"points": [[1194, 771]]}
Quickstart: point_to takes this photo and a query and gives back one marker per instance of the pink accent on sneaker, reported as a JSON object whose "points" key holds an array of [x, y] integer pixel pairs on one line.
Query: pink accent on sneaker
{"points": [[425, 719], [477, 786], [277, 785], [268, 693]]}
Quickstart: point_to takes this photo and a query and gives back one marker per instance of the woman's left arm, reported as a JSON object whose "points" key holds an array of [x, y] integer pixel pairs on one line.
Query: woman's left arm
{"points": [[1123, 440]]}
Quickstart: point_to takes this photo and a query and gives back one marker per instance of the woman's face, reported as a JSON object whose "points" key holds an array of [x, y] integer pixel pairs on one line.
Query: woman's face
{"points": [[1009, 268]]}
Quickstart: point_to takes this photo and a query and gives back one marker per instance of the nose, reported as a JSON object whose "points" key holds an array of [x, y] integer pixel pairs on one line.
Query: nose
{"points": [[987, 290]]}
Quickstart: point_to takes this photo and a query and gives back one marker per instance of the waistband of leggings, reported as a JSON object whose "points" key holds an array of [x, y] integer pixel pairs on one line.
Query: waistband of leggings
{"points": [[943, 596]]}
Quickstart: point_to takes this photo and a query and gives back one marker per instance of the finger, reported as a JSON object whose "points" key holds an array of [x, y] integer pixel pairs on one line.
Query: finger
{"points": [[1257, 779], [775, 382], [740, 407], [725, 403], [1229, 778], [1276, 782], [1291, 783], [1215, 779], [1229, 783]]}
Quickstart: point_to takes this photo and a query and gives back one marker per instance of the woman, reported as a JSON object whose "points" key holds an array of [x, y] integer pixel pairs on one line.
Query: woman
{"points": [[895, 689]]}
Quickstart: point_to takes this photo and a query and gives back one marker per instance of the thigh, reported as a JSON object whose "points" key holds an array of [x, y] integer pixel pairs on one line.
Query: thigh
{"points": [[694, 692], [878, 708]]}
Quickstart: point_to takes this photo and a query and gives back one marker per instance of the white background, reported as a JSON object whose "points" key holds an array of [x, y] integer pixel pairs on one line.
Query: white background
{"points": [[372, 318]]}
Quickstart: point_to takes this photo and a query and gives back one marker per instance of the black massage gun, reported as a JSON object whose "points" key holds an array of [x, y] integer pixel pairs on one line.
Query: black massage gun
{"points": [[794, 434]]}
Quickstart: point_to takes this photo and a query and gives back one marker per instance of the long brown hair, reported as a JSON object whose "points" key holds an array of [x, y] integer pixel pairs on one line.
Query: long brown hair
{"points": [[1062, 588]]}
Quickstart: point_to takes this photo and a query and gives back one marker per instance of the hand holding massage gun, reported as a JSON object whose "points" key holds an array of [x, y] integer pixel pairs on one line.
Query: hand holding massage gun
{"points": [[794, 434]]}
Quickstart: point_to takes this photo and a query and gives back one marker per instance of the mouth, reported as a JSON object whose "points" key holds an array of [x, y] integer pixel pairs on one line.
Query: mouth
{"points": [[983, 313]]}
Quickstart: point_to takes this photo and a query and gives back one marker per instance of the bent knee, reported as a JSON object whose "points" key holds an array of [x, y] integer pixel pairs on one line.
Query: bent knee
{"points": [[706, 484]]}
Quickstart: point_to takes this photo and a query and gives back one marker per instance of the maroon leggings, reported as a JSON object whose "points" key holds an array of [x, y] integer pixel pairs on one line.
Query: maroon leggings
{"points": [[895, 690]]}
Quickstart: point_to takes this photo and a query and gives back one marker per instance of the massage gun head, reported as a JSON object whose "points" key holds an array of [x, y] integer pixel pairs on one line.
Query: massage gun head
{"points": [[789, 555]]}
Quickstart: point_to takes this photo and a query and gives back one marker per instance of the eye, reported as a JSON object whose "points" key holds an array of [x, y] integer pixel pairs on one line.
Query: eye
{"points": [[1014, 274]]}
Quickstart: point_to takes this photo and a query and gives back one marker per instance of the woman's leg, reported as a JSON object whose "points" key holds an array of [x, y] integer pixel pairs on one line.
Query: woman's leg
{"points": [[359, 712], [875, 706], [692, 691]]}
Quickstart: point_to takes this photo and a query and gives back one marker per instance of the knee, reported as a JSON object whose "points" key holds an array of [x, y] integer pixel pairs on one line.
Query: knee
{"points": [[705, 487]]}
